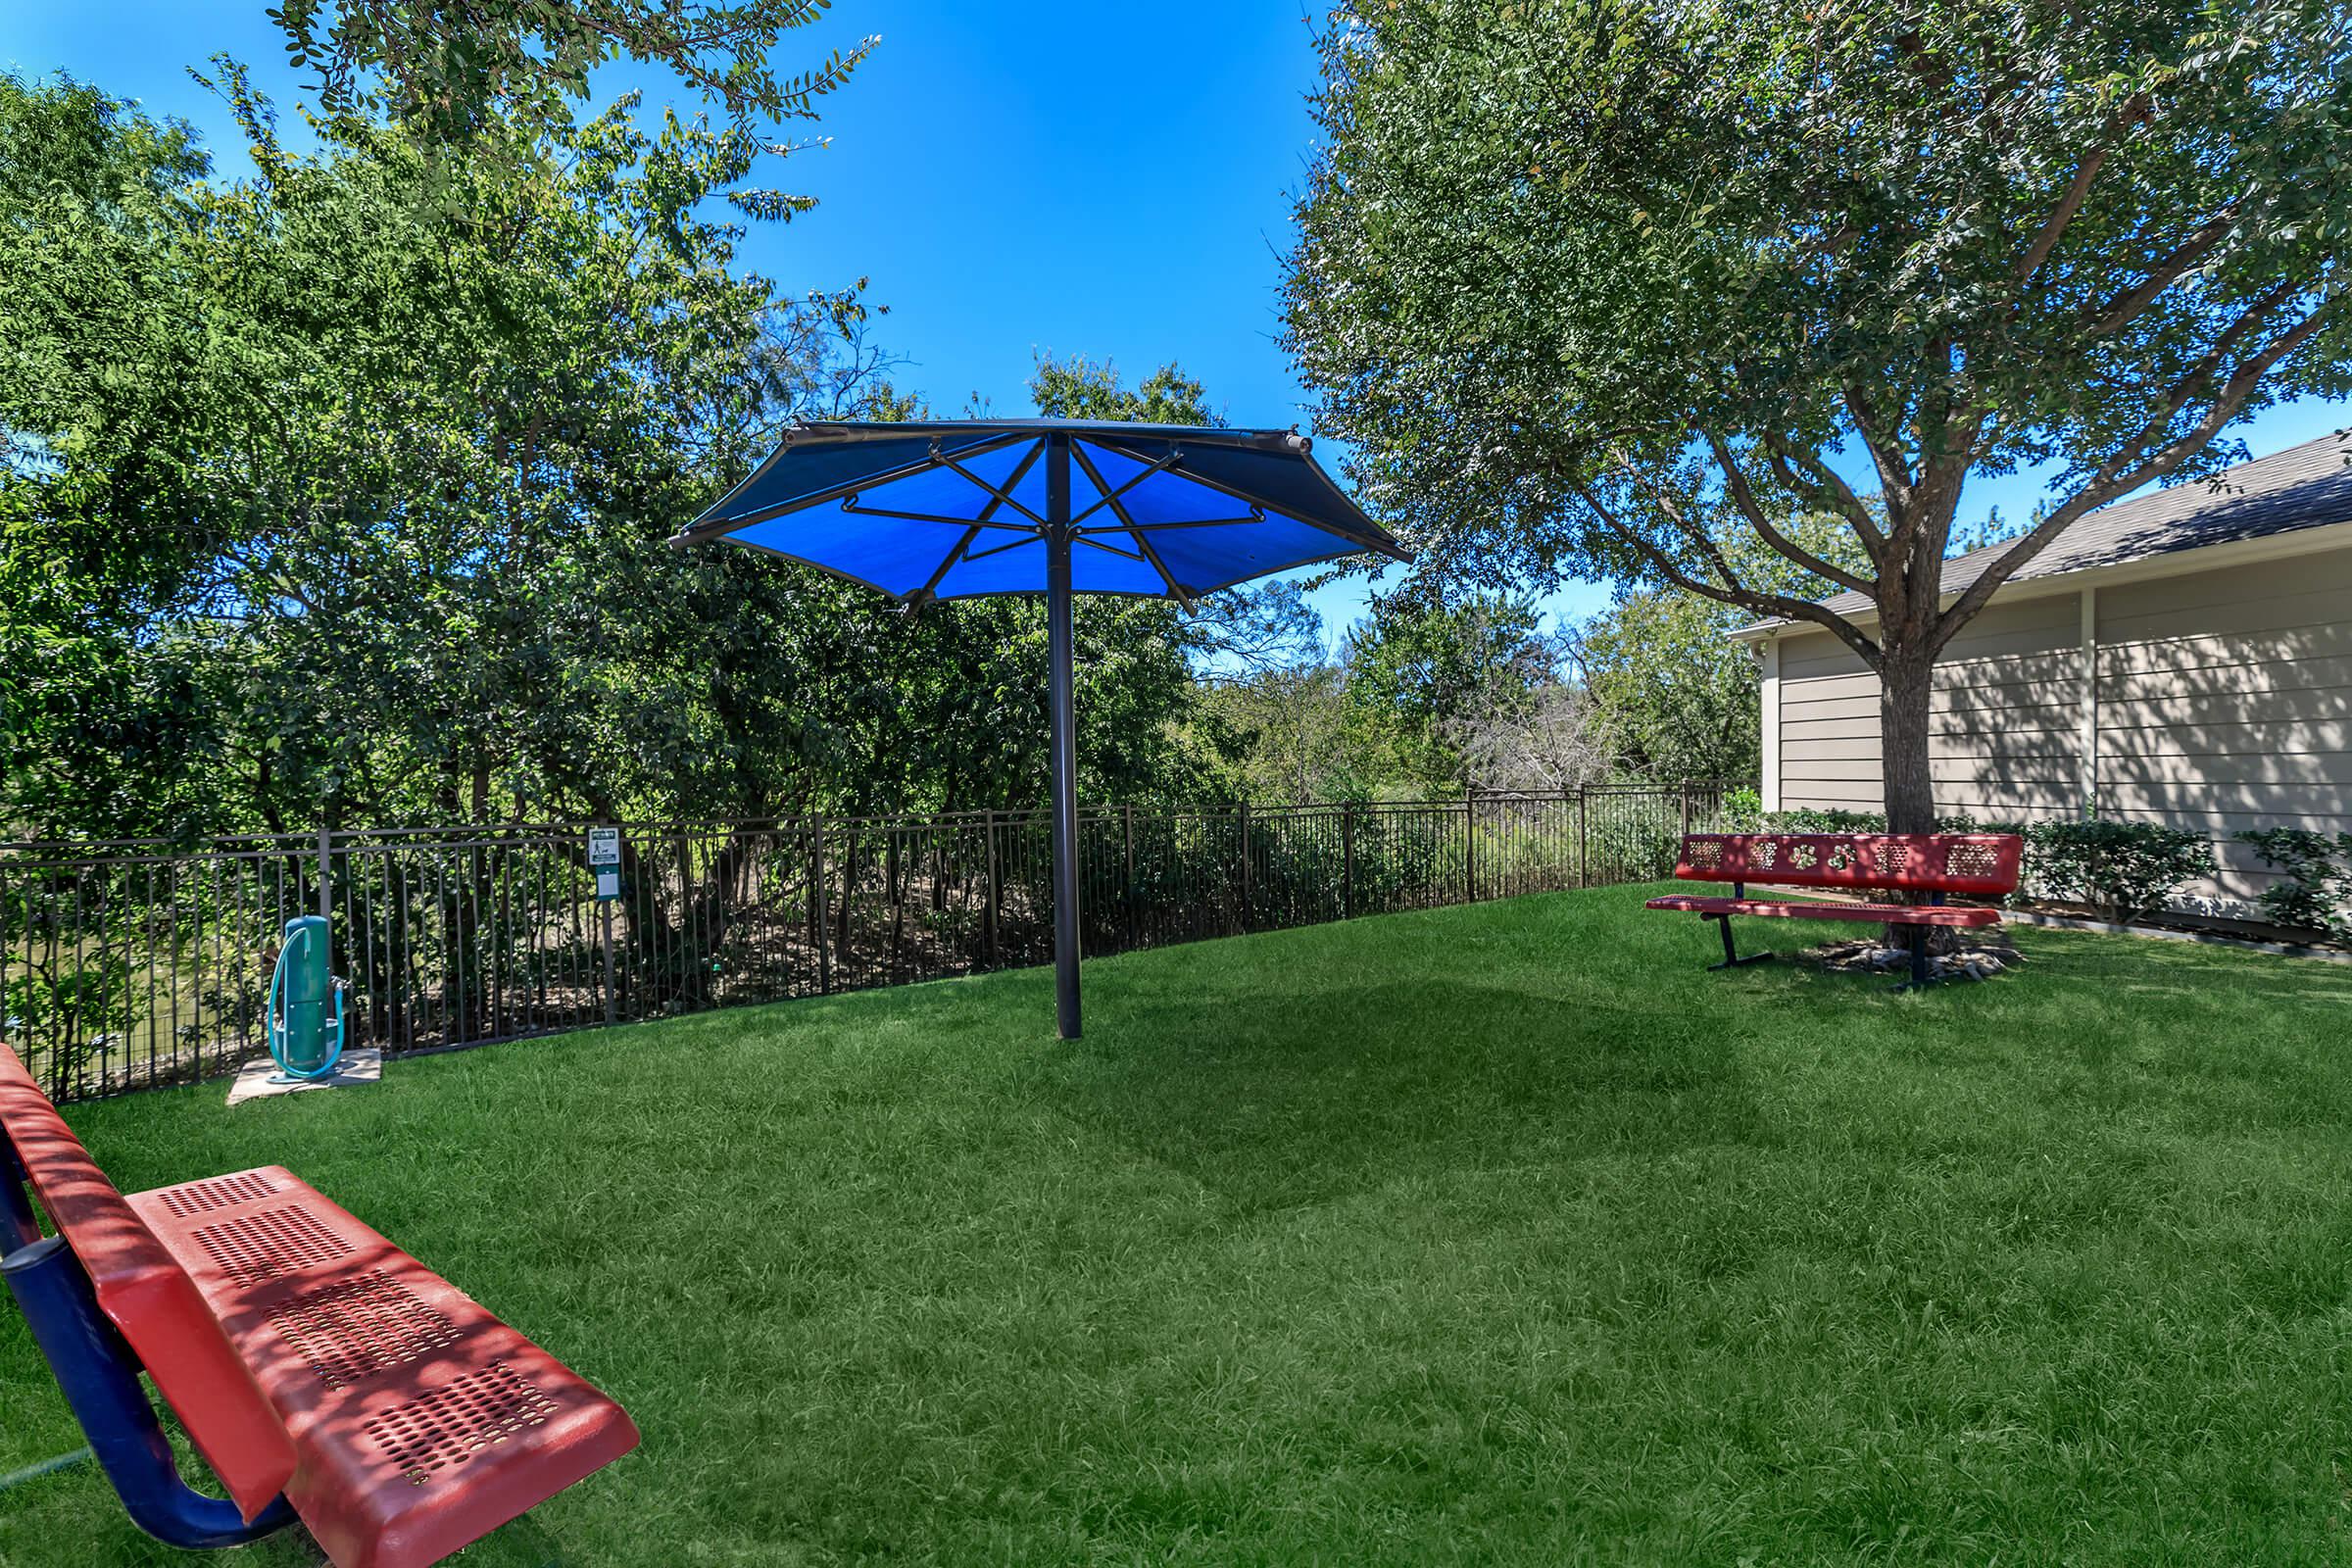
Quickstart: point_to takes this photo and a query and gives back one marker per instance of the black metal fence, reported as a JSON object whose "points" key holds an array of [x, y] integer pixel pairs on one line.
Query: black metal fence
{"points": [[128, 964]]}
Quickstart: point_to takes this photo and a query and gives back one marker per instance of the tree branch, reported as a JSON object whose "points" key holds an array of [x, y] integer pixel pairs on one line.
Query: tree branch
{"points": [[1894, 475], [1745, 498], [1694, 531], [2119, 310], [1826, 488], [2053, 227], [1786, 606], [2135, 467]]}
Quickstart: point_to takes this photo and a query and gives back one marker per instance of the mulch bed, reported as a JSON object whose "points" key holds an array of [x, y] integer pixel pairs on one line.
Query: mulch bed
{"points": [[1979, 961]]}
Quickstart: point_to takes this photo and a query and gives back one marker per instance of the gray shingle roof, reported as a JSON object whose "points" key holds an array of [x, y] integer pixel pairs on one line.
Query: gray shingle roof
{"points": [[2304, 486]]}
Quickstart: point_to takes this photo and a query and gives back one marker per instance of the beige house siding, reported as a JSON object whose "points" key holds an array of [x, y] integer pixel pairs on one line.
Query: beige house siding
{"points": [[2224, 701]]}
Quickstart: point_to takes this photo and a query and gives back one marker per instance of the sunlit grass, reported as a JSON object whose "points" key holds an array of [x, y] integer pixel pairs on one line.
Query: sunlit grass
{"points": [[1502, 1234]]}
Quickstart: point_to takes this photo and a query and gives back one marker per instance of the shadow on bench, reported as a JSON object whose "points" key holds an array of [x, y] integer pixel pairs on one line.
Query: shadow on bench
{"points": [[319, 1370], [1937, 865]]}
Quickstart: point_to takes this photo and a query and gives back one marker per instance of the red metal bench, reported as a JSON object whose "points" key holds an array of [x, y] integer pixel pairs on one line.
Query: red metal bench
{"points": [[303, 1353], [1978, 865]]}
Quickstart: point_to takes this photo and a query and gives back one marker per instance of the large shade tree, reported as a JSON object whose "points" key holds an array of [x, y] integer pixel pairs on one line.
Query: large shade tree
{"points": [[325, 504], [1590, 283], [452, 72]]}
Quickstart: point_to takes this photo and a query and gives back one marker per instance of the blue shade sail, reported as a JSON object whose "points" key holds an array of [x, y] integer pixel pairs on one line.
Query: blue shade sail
{"points": [[952, 509]]}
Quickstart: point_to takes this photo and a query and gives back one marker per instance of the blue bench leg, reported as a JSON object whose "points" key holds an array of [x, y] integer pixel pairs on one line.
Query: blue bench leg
{"points": [[100, 1376], [17, 1225]]}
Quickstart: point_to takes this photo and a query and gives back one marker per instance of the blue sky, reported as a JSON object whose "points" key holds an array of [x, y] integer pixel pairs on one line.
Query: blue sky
{"points": [[1062, 176]]}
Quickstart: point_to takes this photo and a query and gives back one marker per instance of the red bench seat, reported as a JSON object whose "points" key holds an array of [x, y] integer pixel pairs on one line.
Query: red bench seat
{"points": [[419, 1421], [305, 1353]]}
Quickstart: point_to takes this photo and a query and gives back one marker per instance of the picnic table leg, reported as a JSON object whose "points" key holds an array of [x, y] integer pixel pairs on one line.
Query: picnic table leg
{"points": [[1732, 959], [1919, 971], [100, 1376]]}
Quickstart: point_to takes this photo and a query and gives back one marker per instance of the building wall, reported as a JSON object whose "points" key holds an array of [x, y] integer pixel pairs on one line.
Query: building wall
{"points": [[2223, 702]]}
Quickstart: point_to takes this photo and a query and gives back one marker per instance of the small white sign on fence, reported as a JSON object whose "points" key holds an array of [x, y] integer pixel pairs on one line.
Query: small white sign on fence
{"points": [[603, 858]]}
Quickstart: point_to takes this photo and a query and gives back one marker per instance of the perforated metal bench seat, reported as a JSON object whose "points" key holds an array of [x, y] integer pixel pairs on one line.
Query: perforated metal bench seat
{"points": [[419, 1421], [304, 1354], [1824, 909], [1931, 864]]}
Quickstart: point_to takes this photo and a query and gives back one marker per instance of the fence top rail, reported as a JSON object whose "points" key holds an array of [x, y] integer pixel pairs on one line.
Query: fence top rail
{"points": [[52, 855]]}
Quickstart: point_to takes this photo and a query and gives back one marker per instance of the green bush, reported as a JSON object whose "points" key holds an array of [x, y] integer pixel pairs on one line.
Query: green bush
{"points": [[1823, 820], [2317, 893], [2123, 869], [1820, 819]]}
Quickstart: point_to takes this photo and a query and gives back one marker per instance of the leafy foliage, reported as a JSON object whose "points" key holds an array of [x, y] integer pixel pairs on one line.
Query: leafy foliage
{"points": [[463, 74], [2124, 869], [2315, 890], [1592, 284], [331, 504], [1433, 681]]}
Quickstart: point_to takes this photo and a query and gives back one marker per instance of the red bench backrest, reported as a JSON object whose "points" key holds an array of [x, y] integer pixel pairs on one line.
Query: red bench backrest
{"points": [[1979, 863], [149, 1298]]}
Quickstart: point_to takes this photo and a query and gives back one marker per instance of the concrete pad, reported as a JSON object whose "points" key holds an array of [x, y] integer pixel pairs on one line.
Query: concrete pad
{"points": [[355, 1067]]}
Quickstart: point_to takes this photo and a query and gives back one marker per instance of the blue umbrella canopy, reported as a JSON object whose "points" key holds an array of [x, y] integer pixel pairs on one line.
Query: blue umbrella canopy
{"points": [[955, 507], [951, 509]]}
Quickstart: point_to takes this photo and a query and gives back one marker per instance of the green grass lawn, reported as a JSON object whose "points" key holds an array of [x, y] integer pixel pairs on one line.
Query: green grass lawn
{"points": [[1489, 1235]]}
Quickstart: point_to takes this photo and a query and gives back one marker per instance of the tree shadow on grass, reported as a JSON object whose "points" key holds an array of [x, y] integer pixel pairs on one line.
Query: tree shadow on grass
{"points": [[1322, 1094]]}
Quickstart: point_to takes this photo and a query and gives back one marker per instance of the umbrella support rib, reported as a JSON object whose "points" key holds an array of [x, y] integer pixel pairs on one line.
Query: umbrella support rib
{"points": [[1001, 495], [1110, 495], [1143, 544]]}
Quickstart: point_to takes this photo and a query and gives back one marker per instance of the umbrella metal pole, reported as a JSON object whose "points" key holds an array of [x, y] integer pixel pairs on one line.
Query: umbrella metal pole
{"points": [[1064, 737]]}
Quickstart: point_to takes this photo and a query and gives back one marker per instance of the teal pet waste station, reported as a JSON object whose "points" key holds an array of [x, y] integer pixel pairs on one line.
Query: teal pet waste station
{"points": [[302, 1040]]}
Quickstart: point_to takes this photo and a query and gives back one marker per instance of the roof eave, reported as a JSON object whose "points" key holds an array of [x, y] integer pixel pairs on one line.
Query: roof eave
{"points": [[2226, 552]]}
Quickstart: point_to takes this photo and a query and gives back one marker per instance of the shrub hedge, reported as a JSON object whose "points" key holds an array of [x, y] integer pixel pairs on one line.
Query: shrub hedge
{"points": [[2315, 894]]}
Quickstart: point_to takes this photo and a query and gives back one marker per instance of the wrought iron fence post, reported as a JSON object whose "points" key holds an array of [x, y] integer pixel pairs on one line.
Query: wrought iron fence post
{"points": [[1348, 861], [1685, 808], [1127, 899], [1242, 816], [989, 828], [1584, 849], [1470, 845], [824, 934], [325, 848]]}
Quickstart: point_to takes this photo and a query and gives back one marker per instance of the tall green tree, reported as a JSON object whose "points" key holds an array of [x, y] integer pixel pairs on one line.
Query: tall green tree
{"points": [[1590, 284], [1426, 671], [472, 74], [101, 371], [329, 504]]}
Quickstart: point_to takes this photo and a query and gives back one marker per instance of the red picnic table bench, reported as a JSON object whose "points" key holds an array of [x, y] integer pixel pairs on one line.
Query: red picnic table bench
{"points": [[319, 1370], [1975, 864]]}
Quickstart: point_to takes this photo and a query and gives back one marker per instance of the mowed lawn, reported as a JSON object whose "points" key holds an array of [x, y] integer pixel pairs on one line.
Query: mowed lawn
{"points": [[1491, 1235]]}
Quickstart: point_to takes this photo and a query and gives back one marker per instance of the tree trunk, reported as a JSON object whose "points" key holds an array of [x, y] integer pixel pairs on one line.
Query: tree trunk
{"points": [[1906, 687]]}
